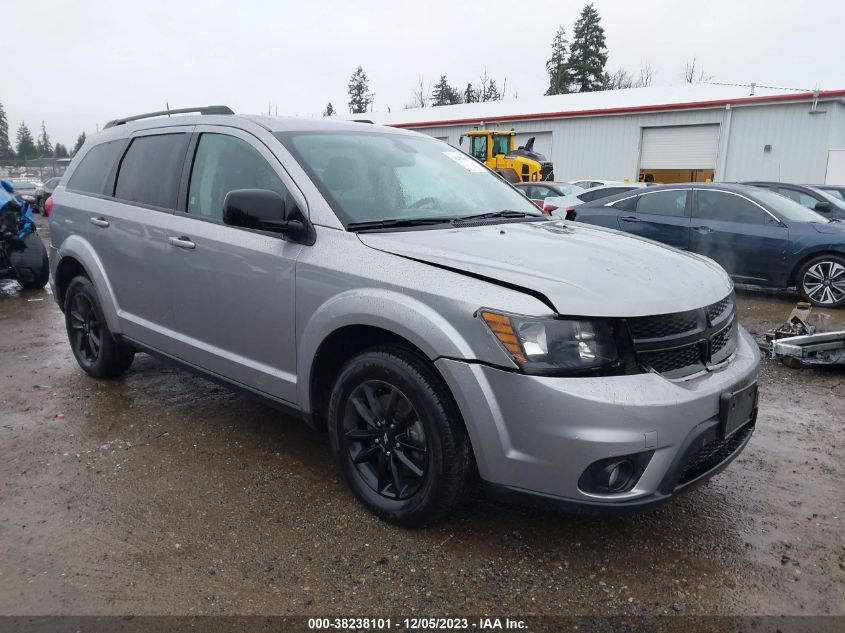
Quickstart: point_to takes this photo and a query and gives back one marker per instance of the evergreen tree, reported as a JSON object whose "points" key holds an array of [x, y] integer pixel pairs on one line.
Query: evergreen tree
{"points": [[360, 97], [60, 151], [80, 141], [588, 53], [329, 111], [444, 94], [558, 66], [470, 94], [44, 146], [26, 148], [490, 92], [6, 151]]}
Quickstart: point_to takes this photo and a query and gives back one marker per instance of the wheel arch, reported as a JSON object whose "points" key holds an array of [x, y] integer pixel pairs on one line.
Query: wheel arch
{"points": [[77, 256], [807, 257], [350, 323]]}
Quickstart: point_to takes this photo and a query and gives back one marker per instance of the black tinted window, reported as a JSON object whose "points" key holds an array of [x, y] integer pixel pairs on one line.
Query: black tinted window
{"points": [[93, 172], [717, 205], [150, 171], [671, 203], [610, 191]]}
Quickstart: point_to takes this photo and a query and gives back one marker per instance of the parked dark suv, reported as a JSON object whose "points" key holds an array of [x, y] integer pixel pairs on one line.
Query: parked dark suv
{"points": [[758, 236]]}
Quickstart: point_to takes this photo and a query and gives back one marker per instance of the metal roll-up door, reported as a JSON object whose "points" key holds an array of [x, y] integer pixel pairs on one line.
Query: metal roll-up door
{"points": [[679, 147]]}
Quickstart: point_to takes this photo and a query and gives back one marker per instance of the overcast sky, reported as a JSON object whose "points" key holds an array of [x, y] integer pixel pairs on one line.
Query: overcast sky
{"points": [[78, 63]]}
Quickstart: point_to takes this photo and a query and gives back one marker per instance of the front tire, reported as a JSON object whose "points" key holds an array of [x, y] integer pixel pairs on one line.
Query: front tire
{"points": [[92, 342], [398, 437], [821, 281]]}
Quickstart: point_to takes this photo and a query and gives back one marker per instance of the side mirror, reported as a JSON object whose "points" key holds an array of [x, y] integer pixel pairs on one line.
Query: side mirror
{"points": [[822, 207], [265, 210]]}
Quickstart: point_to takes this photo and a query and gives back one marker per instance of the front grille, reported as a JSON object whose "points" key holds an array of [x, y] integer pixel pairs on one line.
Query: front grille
{"points": [[722, 338], [717, 310], [683, 343], [671, 360], [711, 455], [664, 325]]}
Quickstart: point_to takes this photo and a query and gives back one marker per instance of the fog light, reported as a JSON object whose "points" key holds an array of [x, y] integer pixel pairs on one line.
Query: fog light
{"points": [[617, 474], [614, 474]]}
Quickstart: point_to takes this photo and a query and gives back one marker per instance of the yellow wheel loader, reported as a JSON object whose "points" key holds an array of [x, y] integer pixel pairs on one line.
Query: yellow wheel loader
{"points": [[495, 148]]}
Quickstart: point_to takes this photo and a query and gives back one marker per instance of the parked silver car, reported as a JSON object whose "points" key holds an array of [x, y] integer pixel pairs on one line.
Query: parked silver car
{"points": [[393, 291]]}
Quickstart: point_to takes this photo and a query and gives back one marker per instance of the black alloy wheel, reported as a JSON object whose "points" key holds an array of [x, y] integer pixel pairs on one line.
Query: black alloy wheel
{"points": [[385, 439], [86, 336], [91, 341]]}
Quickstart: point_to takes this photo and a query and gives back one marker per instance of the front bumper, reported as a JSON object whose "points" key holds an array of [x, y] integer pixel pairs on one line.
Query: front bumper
{"points": [[534, 436]]}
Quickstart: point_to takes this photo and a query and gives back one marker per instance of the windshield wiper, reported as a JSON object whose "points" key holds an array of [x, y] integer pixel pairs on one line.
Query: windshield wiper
{"points": [[395, 223], [507, 213]]}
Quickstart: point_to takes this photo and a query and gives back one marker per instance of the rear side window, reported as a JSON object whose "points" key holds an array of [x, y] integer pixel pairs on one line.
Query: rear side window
{"points": [[151, 169], [610, 191], [93, 172], [671, 203], [717, 205]]}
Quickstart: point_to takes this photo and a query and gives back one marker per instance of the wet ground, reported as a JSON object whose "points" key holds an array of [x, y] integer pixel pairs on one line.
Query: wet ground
{"points": [[163, 493]]}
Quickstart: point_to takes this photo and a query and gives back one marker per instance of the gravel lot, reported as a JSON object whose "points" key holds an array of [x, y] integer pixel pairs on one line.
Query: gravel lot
{"points": [[163, 493]]}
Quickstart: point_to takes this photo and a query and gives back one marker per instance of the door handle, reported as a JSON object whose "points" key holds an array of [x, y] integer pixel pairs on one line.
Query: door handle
{"points": [[101, 222], [702, 229], [181, 242], [629, 218]]}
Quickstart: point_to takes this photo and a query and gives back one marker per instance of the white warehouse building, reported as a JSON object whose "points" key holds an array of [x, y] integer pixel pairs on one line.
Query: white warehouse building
{"points": [[676, 134]]}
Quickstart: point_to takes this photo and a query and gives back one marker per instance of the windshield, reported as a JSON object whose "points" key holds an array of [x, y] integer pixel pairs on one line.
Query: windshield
{"points": [[836, 193], [23, 185], [830, 197], [375, 177], [501, 144], [786, 208], [568, 190]]}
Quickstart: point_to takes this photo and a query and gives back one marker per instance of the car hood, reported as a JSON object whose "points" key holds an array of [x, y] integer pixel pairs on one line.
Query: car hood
{"points": [[834, 228], [581, 270]]}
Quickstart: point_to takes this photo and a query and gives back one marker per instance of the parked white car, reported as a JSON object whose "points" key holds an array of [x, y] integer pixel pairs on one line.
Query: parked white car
{"points": [[590, 184], [559, 206]]}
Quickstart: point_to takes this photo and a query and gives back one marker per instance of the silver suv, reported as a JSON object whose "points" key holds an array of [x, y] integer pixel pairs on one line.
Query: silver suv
{"points": [[393, 291]]}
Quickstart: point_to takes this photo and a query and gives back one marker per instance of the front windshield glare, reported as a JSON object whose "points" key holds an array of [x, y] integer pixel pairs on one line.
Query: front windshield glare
{"points": [[788, 209], [371, 177]]}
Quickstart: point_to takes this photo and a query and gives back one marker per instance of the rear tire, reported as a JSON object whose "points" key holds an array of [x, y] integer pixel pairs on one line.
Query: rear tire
{"points": [[93, 345], [398, 438], [821, 281], [31, 264]]}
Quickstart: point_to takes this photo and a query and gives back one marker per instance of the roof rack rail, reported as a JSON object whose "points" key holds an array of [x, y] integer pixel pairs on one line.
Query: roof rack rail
{"points": [[215, 109]]}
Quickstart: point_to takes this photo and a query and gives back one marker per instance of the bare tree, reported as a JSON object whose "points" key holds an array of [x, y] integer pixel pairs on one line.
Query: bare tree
{"points": [[646, 75], [694, 74], [619, 80], [421, 94]]}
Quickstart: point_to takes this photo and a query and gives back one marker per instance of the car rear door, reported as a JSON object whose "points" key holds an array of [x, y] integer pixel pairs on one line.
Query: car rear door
{"points": [[232, 289], [128, 230], [748, 241], [662, 216]]}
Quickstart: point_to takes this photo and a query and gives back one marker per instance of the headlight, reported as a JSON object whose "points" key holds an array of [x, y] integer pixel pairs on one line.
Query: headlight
{"points": [[554, 346]]}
